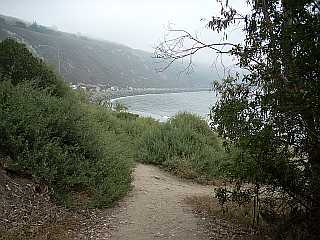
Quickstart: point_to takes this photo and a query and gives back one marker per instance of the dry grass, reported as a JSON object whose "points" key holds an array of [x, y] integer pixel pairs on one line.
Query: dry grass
{"points": [[231, 212], [63, 229], [230, 222], [27, 212]]}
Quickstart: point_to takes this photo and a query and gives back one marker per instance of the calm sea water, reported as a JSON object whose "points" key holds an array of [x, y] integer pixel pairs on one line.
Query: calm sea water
{"points": [[164, 106]]}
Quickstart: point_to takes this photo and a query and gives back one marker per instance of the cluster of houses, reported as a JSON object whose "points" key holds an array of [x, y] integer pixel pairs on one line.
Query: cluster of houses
{"points": [[98, 87], [101, 91]]}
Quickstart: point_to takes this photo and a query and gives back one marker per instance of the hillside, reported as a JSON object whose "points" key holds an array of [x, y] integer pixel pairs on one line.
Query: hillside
{"points": [[83, 60]]}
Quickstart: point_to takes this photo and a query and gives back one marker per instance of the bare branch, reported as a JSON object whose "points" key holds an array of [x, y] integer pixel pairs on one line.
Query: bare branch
{"points": [[316, 4], [185, 46]]}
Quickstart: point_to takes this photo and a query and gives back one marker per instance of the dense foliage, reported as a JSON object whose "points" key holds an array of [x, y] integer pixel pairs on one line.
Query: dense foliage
{"points": [[184, 145], [273, 112], [46, 129], [18, 65]]}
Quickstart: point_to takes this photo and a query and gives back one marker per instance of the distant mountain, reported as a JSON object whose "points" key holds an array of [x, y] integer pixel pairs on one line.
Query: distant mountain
{"points": [[81, 59]]}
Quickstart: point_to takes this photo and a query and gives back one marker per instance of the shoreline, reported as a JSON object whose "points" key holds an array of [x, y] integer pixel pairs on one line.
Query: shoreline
{"points": [[158, 117], [151, 92]]}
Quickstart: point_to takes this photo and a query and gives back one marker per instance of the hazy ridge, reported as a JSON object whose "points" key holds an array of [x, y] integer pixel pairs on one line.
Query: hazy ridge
{"points": [[81, 59]]}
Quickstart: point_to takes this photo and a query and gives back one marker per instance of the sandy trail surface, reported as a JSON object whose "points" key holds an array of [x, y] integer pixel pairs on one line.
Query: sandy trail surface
{"points": [[155, 209]]}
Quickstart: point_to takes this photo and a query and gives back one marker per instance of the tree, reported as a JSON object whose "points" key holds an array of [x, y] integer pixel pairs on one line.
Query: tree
{"points": [[272, 113], [18, 64]]}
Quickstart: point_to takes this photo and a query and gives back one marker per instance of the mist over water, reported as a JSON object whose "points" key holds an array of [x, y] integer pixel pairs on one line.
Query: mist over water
{"points": [[164, 106]]}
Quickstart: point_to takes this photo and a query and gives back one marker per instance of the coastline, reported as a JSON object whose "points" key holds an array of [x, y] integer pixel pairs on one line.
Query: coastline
{"points": [[158, 116], [142, 92]]}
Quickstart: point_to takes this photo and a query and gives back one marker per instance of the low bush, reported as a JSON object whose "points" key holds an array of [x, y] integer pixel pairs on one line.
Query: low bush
{"points": [[63, 143], [184, 145], [54, 133]]}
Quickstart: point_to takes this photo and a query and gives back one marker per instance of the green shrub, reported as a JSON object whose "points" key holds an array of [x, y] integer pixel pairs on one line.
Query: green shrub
{"points": [[119, 107], [63, 143], [53, 132], [19, 65], [184, 145]]}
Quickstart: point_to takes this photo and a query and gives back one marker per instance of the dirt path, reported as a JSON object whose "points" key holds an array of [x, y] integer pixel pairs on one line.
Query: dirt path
{"points": [[155, 209]]}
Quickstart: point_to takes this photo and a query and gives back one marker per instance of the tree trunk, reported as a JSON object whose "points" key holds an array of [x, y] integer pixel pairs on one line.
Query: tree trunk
{"points": [[313, 150], [314, 215]]}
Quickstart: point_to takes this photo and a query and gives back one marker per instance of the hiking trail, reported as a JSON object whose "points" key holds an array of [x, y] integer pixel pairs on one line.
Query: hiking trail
{"points": [[155, 208]]}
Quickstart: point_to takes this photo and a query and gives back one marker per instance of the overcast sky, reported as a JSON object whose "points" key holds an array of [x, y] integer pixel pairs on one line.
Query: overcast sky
{"points": [[137, 23]]}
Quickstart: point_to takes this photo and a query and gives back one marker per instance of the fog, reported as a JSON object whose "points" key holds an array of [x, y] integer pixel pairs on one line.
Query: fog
{"points": [[139, 24]]}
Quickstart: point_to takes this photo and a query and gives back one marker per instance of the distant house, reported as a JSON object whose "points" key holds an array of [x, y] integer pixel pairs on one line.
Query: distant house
{"points": [[83, 86], [102, 87], [93, 87], [74, 87], [114, 88]]}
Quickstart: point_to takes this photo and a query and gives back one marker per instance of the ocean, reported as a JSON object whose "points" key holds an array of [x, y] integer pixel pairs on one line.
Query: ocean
{"points": [[166, 105]]}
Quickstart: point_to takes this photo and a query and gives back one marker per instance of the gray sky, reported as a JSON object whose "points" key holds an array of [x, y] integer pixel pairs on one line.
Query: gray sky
{"points": [[137, 23]]}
